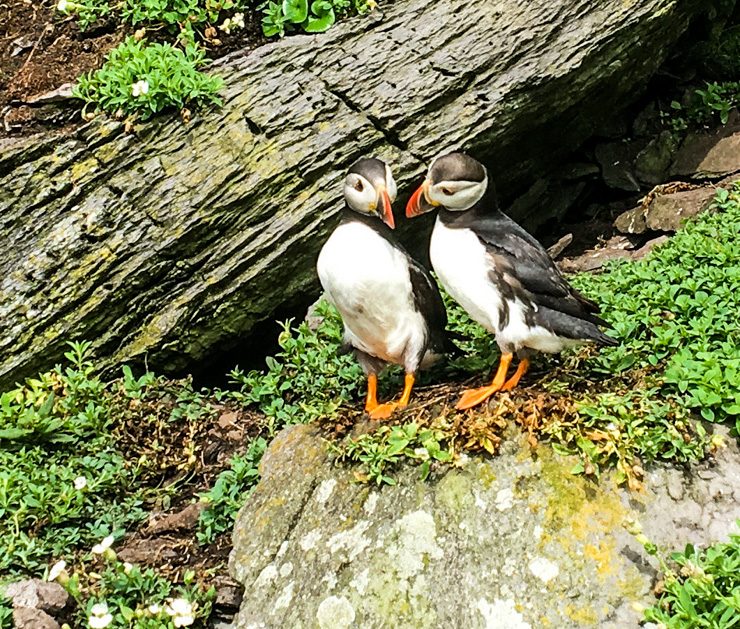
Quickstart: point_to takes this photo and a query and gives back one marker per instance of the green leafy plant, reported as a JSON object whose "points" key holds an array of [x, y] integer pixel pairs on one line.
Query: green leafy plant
{"points": [[676, 311], [706, 106], [229, 492], [61, 479], [6, 612], [626, 430], [144, 79], [311, 16], [86, 11], [122, 595], [309, 378], [176, 12], [703, 590], [379, 451]]}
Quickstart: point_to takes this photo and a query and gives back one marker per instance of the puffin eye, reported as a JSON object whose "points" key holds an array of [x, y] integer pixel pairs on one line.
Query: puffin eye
{"points": [[447, 191], [359, 186]]}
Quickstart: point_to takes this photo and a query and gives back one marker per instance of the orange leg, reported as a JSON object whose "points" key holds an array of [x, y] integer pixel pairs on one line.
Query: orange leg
{"points": [[371, 402], [473, 397], [520, 371], [384, 411]]}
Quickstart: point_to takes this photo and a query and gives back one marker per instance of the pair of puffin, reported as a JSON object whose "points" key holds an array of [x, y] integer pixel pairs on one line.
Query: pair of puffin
{"points": [[390, 305]]}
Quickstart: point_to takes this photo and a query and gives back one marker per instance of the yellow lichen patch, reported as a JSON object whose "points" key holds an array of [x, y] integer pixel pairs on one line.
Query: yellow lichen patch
{"points": [[602, 555], [85, 167], [578, 515], [454, 492], [585, 616]]}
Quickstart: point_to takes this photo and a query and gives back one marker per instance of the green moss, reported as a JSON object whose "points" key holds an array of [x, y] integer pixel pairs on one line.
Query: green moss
{"points": [[454, 494]]}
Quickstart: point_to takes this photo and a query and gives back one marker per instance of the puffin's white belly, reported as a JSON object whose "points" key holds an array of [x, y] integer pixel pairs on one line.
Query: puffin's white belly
{"points": [[460, 261], [462, 264], [368, 281]]}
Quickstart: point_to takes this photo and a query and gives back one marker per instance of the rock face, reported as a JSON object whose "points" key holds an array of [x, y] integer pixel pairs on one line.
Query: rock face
{"points": [[174, 242], [666, 212], [513, 542], [709, 155]]}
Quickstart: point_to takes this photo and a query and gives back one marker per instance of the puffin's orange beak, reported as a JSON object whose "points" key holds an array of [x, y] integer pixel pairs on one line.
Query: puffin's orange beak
{"points": [[387, 214], [418, 203]]}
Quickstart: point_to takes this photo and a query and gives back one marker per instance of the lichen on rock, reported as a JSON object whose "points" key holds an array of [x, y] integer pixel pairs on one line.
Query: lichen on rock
{"points": [[513, 542]]}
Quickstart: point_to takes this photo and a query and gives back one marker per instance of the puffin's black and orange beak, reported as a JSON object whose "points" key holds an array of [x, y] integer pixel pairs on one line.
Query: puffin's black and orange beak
{"points": [[385, 210], [418, 203]]}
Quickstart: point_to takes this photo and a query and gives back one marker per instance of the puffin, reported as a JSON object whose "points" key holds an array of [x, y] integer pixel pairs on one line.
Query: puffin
{"points": [[499, 273], [390, 305]]}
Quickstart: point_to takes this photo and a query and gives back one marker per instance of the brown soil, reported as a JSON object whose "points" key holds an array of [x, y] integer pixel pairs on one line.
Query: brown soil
{"points": [[185, 455], [41, 50]]}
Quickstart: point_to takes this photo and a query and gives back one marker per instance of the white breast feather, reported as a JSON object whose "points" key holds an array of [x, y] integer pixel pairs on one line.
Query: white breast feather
{"points": [[368, 281], [461, 263]]}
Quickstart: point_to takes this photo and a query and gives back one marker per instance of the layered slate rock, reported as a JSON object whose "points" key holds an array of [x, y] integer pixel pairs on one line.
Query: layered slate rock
{"points": [[513, 542], [174, 242]]}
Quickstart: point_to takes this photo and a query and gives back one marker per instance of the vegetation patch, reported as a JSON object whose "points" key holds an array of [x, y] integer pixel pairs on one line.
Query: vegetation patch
{"points": [[82, 464], [389, 445], [143, 78], [229, 493], [700, 587], [705, 107], [140, 78]]}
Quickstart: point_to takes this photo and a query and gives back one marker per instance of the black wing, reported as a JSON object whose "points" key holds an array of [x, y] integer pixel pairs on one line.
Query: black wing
{"points": [[526, 263], [429, 303]]}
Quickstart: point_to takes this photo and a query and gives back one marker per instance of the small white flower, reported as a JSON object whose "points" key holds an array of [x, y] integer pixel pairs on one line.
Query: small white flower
{"points": [[139, 88], [237, 20], [127, 567], [99, 616], [56, 570], [154, 609], [104, 545], [226, 26], [62, 6], [179, 607], [421, 453], [99, 609], [80, 483], [181, 612]]}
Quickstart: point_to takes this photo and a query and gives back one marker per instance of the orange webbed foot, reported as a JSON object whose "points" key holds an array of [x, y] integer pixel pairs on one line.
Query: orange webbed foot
{"points": [[384, 411], [514, 380], [473, 397]]}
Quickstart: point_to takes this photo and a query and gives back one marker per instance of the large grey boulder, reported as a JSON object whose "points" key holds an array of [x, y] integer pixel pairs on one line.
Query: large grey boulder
{"points": [[511, 542], [174, 242]]}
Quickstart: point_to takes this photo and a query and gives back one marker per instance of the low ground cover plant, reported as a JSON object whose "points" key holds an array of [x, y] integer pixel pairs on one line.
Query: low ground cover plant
{"points": [[699, 587], [144, 79]]}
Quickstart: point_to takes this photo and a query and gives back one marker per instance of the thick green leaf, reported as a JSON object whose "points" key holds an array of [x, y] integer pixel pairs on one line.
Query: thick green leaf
{"points": [[295, 11]]}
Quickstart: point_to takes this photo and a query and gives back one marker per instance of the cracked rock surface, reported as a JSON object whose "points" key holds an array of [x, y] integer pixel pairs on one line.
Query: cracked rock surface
{"points": [[510, 542], [173, 242]]}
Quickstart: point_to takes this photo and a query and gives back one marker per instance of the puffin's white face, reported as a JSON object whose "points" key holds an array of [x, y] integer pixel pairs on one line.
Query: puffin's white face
{"points": [[457, 195], [454, 181], [362, 195], [369, 188]]}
